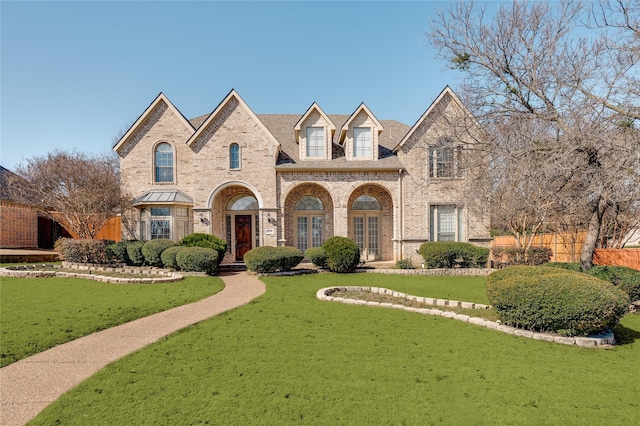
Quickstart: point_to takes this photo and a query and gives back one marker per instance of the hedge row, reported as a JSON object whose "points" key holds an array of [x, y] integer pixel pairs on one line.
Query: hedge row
{"points": [[626, 279], [267, 259], [549, 299], [82, 251], [446, 254], [511, 256]]}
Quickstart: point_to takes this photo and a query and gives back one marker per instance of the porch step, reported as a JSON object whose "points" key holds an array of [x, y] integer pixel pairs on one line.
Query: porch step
{"points": [[232, 267]]}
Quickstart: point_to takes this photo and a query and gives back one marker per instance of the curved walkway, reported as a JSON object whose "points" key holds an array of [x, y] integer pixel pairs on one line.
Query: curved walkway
{"points": [[29, 385]]}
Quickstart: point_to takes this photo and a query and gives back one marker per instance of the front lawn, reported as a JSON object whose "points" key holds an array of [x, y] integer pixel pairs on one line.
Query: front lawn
{"points": [[39, 313], [288, 358]]}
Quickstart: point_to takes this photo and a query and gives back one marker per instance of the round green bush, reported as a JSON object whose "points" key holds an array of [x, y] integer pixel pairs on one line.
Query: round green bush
{"points": [[449, 254], [206, 241], [117, 252], [404, 264], [197, 259], [268, 259], [168, 257], [134, 252], [555, 300], [571, 266], [343, 254], [151, 250], [317, 256]]}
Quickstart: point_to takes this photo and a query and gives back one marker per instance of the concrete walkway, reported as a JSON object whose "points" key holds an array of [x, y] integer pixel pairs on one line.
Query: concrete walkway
{"points": [[31, 384]]}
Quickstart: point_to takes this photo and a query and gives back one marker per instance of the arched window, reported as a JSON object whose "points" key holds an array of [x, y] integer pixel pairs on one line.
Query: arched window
{"points": [[308, 212], [234, 156], [243, 202], [163, 163], [366, 202]]}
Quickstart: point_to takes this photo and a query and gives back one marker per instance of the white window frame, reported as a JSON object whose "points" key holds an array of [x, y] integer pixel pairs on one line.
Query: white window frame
{"points": [[233, 166], [315, 142], [444, 160], [179, 219], [362, 142], [435, 227], [163, 167]]}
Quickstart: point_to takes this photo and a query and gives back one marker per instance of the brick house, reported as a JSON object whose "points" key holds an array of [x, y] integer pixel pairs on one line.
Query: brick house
{"points": [[296, 180]]}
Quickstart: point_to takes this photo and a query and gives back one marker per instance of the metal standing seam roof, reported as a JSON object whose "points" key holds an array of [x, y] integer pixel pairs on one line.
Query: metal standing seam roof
{"points": [[162, 196]]}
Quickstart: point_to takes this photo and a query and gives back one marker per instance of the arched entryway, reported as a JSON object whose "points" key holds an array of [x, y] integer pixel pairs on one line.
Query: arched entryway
{"points": [[236, 218], [308, 216], [370, 215]]}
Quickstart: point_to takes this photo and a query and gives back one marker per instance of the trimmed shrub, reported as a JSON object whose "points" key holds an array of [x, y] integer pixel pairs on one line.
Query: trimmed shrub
{"points": [[343, 254], [168, 257], [197, 259], [555, 300], [571, 266], [317, 256], [267, 259], [626, 279], [510, 256], [404, 264], [449, 254], [134, 251], [83, 251], [152, 250], [117, 252], [206, 241]]}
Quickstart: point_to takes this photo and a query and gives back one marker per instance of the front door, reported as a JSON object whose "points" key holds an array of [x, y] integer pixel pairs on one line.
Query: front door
{"points": [[243, 235], [365, 232]]}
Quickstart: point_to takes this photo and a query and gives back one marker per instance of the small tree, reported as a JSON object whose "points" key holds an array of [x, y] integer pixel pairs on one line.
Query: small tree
{"points": [[78, 190]]}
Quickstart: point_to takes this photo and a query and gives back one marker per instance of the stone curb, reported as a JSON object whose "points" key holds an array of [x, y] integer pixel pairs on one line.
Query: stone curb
{"points": [[600, 341], [461, 272], [167, 277]]}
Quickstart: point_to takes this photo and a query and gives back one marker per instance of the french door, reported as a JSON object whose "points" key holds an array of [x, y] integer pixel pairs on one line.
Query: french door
{"points": [[366, 235]]}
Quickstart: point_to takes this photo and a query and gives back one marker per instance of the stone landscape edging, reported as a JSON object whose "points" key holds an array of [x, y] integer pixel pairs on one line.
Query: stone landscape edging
{"points": [[164, 276], [600, 341]]}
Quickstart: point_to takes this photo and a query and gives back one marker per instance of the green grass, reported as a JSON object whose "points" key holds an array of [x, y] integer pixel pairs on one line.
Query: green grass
{"points": [[39, 313], [288, 358]]}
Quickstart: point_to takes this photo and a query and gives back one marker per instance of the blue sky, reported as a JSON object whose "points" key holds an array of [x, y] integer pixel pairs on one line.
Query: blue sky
{"points": [[75, 75]]}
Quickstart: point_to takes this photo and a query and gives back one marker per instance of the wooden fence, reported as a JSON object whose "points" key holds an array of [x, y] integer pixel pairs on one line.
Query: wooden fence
{"points": [[567, 248], [110, 231]]}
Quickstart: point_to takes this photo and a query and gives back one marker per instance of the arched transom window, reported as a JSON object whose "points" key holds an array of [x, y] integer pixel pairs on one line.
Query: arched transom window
{"points": [[366, 202], [309, 202], [163, 158], [243, 202]]}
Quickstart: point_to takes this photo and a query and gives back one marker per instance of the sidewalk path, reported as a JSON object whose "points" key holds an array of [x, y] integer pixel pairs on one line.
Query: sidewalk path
{"points": [[29, 385]]}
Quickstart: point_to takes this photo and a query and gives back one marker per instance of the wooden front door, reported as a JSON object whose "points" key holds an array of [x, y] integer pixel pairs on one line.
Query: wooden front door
{"points": [[243, 235]]}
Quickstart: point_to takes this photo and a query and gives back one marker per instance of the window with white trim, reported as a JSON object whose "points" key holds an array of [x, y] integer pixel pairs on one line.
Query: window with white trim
{"points": [[163, 163], [446, 223], [170, 222], [362, 142], [444, 160], [234, 156], [315, 142]]}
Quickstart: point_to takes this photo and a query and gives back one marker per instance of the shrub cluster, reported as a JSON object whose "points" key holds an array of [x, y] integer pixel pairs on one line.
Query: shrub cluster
{"points": [[82, 250], [168, 257], [510, 256], [152, 250], [197, 259], [206, 241], [117, 252], [446, 254], [626, 279], [551, 299], [317, 256], [267, 259], [343, 254]]}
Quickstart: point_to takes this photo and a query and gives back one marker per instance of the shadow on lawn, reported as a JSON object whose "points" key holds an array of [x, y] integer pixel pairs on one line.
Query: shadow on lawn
{"points": [[625, 335]]}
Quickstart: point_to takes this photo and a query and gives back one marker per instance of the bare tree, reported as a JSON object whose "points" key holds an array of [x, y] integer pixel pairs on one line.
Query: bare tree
{"points": [[569, 72], [78, 190]]}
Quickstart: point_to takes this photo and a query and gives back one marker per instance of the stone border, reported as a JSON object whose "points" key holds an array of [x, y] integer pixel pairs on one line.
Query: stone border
{"points": [[164, 276], [459, 272], [600, 341]]}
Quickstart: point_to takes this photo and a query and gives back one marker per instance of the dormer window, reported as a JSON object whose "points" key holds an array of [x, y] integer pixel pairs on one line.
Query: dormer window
{"points": [[315, 142], [362, 142]]}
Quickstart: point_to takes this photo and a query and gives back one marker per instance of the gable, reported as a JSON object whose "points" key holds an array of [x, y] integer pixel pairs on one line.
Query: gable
{"points": [[149, 118]]}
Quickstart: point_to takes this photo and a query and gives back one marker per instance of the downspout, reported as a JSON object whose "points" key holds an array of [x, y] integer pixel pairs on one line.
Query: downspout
{"points": [[400, 214]]}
